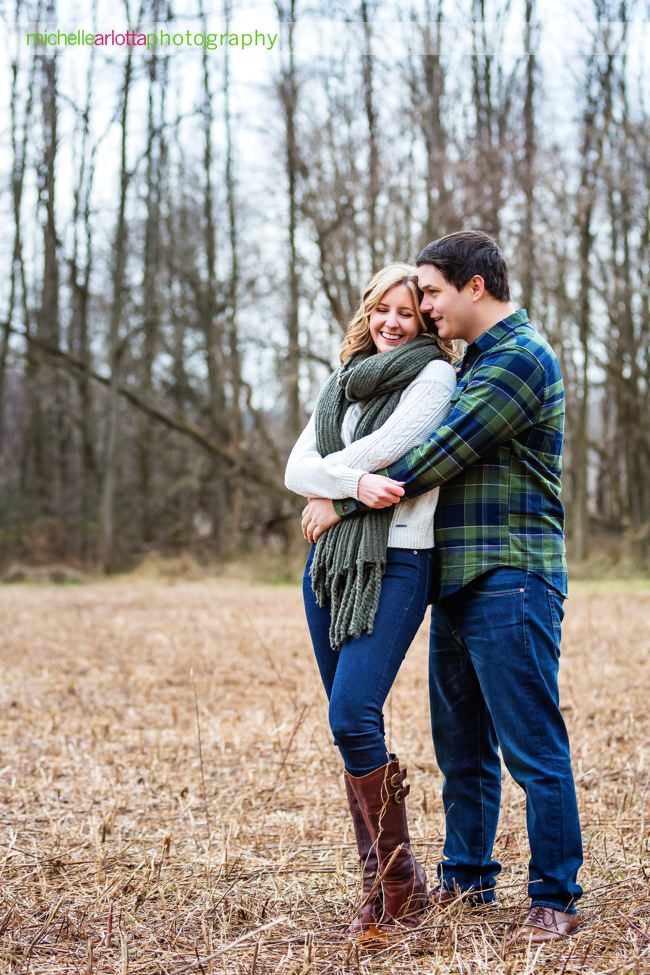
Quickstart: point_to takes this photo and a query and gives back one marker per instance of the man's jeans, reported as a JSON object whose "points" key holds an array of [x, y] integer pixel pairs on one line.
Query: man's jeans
{"points": [[358, 677], [493, 669]]}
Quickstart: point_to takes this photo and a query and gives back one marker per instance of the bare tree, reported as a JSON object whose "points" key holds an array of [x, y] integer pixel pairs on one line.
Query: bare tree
{"points": [[528, 178], [43, 447], [232, 301], [17, 279], [151, 295], [115, 346], [491, 97], [80, 271], [288, 95], [375, 247], [426, 76], [595, 121]]}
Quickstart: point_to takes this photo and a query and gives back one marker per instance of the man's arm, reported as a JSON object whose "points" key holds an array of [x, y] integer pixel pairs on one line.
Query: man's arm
{"points": [[501, 399], [422, 407]]}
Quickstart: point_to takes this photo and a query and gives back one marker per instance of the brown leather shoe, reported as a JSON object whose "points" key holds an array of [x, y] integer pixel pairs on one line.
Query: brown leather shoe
{"points": [[371, 903], [381, 796], [546, 924]]}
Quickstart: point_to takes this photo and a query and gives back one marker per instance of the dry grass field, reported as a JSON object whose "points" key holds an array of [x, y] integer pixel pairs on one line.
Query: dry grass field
{"points": [[171, 801]]}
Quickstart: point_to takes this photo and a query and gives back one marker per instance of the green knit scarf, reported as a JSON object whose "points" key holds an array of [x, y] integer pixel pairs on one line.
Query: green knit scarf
{"points": [[350, 558]]}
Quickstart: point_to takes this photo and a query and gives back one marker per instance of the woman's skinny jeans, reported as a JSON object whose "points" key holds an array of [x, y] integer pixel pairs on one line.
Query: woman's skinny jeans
{"points": [[358, 677]]}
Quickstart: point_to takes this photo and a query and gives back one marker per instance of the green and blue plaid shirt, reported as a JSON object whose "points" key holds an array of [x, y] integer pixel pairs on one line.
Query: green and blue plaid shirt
{"points": [[498, 462]]}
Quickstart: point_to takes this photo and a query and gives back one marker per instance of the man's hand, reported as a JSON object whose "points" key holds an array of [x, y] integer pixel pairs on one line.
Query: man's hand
{"points": [[377, 491], [317, 517]]}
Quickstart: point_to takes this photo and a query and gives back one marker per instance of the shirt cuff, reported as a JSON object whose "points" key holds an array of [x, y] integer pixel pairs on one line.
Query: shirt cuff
{"points": [[348, 507]]}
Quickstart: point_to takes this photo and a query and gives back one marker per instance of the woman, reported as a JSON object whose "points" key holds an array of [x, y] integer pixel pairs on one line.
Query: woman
{"points": [[367, 580]]}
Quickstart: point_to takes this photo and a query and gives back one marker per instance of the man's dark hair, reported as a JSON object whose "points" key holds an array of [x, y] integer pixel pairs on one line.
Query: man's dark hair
{"points": [[461, 255]]}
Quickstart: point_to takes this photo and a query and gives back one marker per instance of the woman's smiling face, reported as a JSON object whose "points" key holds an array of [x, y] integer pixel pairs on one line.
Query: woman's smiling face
{"points": [[394, 321]]}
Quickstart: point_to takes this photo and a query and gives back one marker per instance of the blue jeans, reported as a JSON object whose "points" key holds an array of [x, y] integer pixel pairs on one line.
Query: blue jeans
{"points": [[358, 677], [493, 669]]}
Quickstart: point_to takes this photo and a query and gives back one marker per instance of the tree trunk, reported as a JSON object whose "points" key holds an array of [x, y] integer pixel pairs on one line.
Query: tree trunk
{"points": [[594, 127], [107, 503], [151, 292], [87, 486], [234, 353], [529, 270], [367, 67], [289, 100]]}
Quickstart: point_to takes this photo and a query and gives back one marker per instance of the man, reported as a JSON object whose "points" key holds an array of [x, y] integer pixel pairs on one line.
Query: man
{"points": [[495, 627]]}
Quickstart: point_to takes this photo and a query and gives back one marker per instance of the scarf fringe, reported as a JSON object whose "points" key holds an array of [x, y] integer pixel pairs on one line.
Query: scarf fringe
{"points": [[353, 595]]}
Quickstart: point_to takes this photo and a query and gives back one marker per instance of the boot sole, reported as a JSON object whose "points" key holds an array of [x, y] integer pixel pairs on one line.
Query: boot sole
{"points": [[539, 936]]}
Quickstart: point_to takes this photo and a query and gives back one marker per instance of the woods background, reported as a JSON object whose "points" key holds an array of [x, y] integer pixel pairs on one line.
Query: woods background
{"points": [[185, 238]]}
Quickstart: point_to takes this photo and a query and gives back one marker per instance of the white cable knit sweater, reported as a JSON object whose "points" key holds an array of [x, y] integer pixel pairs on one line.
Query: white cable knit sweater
{"points": [[423, 406]]}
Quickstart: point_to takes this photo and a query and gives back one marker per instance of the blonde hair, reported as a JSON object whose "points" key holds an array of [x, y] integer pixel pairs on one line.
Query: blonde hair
{"points": [[358, 338]]}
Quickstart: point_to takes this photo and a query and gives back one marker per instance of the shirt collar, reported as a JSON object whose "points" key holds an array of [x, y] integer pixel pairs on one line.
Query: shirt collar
{"points": [[487, 340]]}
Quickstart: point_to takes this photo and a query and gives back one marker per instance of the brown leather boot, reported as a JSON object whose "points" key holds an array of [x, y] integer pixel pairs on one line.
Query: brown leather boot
{"points": [[370, 910], [381, 796]]}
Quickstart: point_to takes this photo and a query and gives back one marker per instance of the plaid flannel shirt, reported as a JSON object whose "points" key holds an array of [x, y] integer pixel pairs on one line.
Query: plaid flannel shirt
{"points": [[498, 461]]}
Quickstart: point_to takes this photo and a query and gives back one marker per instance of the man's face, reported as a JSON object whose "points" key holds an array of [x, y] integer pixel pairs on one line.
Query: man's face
{"points": [[453, 312]]}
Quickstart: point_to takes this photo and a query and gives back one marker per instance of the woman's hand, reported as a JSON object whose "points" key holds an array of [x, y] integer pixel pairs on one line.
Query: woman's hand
{"points": [[317, 517], [377, 491]]}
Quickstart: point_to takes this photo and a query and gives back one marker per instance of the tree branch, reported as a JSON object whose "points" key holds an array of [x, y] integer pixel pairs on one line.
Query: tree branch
{"points": [[251, 472]]}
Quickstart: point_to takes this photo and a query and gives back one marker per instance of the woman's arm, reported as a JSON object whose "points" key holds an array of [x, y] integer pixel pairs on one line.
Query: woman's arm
{"points": [[421, 409], [307, 474]]}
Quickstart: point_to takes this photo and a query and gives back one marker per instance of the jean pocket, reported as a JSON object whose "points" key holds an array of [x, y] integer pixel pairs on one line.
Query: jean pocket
{"points": [[500, 582], [556, 610]]}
